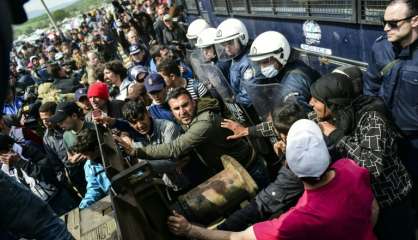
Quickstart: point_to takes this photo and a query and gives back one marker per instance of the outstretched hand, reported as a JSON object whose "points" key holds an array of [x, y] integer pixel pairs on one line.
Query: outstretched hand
{"points": [[104, 120], [236, 127], [125, 142], [178, 224]]}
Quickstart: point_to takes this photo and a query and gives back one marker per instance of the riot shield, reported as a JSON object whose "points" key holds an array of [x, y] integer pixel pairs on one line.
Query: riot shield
{"points": [[265, 98], [213, 77], [196, 61], [191, 53]]}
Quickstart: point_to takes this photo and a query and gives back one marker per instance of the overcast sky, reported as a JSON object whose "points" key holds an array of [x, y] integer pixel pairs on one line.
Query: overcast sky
{"points": [[36, 5]]}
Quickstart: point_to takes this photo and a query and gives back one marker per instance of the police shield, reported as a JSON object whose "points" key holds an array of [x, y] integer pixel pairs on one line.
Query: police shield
{"points": [[215, 81], [195, 60], [265, 98], [193, 55]]}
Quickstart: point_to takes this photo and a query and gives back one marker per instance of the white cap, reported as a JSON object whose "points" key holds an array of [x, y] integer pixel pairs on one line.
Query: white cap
{"points": [[196, 27], [306, 152]]}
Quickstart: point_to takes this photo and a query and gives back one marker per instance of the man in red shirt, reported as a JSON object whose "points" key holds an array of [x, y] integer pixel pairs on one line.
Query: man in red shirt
{"points": [[338, 201]]}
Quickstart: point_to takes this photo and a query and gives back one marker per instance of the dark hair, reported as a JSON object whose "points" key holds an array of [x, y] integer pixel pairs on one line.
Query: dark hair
{"points": [[98, 73], [355, 75], [117, 67], [48, 107], [53, 69], [168, 66], [177, 92], [412, 6], [6, 142], [285, 115], [134, 110], [312, 180], [335, 90], [86, 141], [154, 51]]}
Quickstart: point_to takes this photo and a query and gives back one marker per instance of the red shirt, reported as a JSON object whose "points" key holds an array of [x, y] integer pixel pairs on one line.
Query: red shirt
{"points": [[339, 210]]}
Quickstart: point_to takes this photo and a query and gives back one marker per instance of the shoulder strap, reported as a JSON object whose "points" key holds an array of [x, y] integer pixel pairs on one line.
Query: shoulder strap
{"points": [[386, 69]]}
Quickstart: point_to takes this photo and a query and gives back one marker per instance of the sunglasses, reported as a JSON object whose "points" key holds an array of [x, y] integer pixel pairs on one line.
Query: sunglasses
{"points": [[394, 23]]}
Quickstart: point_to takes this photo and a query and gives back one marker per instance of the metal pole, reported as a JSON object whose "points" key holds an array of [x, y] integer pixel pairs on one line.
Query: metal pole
{"points": [[50, 18]]}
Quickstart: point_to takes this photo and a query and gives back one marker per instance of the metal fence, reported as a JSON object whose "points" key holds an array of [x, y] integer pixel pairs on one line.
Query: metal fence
{"points": [[220, 6], [191, 6], [372, 11], [354, 11]]}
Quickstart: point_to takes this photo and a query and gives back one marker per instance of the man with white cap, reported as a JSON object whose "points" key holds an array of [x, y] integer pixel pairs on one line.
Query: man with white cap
{"points": [[338, 201]]}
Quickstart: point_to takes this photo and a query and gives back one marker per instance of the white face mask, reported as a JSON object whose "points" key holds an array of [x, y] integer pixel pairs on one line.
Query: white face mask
{"points": [[270, 71]]}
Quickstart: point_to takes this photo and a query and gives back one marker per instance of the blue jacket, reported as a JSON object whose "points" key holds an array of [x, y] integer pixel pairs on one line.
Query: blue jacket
{"points": [[224, 66], [296, 79], [98, 185], [12, 108], [242, 69], [158, 111], [23, 213], [399, 87], [152, 66], [188, 73]]}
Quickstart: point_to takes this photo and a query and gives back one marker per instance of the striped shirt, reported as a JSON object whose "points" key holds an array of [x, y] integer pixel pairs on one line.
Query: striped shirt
{"points": [[195, 88]]}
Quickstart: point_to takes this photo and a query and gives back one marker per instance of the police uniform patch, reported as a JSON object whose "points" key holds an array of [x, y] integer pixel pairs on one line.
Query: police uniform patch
{"points": [[219, 33], [249, 74], [380, 38]]}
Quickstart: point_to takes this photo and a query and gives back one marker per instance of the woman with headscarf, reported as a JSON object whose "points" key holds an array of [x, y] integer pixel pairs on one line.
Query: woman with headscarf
{"points": [[359, 127]]}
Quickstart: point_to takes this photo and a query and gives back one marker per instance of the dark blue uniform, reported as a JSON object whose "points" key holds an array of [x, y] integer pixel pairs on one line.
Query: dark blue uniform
{"points": [[399, 89], [296, 79]]}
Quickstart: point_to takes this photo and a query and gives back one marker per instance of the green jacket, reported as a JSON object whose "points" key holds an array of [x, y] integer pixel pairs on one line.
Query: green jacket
{"points": [[205, 136]]}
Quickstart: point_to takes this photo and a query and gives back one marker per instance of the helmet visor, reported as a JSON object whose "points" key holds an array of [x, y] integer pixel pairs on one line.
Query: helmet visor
{"points": [[228, 50]]}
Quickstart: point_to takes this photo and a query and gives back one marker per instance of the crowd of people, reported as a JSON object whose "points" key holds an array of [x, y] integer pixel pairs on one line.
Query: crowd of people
{"points": [[336, 158]]}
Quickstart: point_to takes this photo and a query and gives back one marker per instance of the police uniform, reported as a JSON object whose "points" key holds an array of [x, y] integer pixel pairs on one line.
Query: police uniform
{"points": [[296, 79], [393, 75], [242, 69]]}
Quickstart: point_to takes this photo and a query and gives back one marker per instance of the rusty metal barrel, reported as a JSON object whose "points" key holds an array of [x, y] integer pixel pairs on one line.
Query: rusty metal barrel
{"points": [[219, 194]]}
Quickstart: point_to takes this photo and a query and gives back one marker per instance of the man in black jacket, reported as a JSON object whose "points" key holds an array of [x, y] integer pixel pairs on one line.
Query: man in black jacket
{"points": [[57, 154], [173, 34], [33, 169], [24, 214]]}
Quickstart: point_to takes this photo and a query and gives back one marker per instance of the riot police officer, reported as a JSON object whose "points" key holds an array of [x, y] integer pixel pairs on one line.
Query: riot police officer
{"points": [[272, 52], [232, 41], [206, 44], [194, 29]]}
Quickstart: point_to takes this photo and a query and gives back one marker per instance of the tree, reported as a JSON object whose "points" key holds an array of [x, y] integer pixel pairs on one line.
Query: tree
{"points": [[60, 15]]}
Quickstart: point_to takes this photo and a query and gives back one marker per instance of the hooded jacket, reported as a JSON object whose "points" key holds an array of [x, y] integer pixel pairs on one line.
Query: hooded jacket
{"points": [[365, 134], [205, 136]]}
